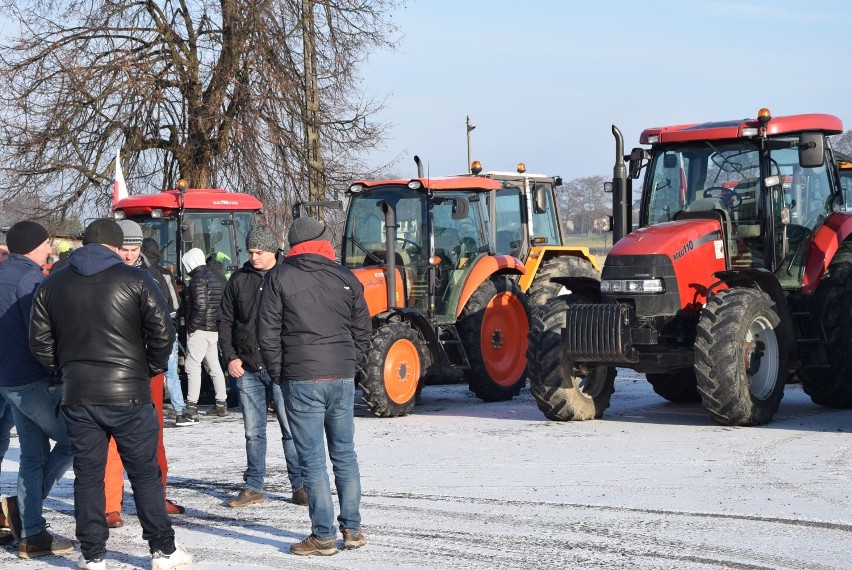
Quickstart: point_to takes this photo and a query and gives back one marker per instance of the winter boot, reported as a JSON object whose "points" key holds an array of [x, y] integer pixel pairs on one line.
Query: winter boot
{"points": [[220, 409]]}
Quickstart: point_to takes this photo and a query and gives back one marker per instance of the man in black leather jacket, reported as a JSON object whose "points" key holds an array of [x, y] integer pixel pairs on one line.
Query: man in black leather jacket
{"points": [[202, 333], [106, 329]]}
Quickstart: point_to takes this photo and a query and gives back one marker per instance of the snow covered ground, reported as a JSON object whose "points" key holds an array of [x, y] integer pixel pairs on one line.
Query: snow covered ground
{"points": [[463, 484]]}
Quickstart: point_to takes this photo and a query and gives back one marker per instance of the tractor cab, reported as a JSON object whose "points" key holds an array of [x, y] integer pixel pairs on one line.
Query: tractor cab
{"points": [[213, 220], [439, 236]]}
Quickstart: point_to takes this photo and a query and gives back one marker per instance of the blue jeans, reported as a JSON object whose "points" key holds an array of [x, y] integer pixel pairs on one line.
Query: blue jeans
{"points": [[321, 411], [34, 407], [252, 388], [173, 382], [6, 423]]}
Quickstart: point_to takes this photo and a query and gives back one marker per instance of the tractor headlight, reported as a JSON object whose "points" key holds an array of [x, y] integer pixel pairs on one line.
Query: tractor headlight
{"points": [[636, 286]]}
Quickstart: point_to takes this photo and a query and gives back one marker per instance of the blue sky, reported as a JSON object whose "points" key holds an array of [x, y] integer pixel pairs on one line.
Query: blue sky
{"points": [[543, 81]]}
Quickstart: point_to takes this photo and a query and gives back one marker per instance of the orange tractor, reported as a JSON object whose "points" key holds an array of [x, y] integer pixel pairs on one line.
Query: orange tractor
{"points": [[450, 304], [738, 276]]}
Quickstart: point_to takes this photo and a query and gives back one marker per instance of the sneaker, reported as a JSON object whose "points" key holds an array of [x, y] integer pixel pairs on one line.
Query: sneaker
{"points": [[114, 520], [313, 546], [245, 498], [191, 410], [93, 564], [13, 515], [185, 420], [300, 497], [44, 544], [174, 508], [353, 539], [220, 410], [162, 561]]}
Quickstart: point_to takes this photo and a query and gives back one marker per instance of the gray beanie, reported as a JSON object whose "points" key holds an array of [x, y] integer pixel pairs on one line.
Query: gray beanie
{"points": [[305, 229], [132, 233], [261, 237], [192, 259]]}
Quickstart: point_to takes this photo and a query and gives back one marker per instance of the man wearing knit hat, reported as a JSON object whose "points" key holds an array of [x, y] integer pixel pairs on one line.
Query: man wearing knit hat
{"points": [[313, 326], [131, 254], [238, 342], [106, 369], [33, 393]]}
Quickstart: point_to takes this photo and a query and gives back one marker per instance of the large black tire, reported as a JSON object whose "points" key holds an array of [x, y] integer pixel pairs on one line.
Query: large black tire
{"points": [[740, 357], [493, 327], [394, 366], [543, 288], [832, 386], [676, 386], [562, 389]]}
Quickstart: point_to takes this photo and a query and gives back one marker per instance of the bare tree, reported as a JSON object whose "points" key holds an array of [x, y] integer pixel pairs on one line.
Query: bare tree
{"points": [[214, 91], [582, 200], [843, 143]]}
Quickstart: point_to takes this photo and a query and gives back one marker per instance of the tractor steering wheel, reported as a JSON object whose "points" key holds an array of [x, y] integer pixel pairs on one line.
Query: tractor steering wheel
{"points": [[413, 248], [730, 197]]}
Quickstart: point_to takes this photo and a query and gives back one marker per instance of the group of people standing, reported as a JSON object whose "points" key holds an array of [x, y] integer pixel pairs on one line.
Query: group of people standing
{"points": [[90, 344]]}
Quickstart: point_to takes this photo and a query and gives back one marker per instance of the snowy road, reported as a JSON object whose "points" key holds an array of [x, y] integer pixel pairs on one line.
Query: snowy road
{"points": [[462, 484]]}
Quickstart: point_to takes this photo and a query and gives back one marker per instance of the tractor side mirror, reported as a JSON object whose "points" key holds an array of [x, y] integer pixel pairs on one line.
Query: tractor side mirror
{"points": [[637, 158], [811, 150], [187, 232], [540, 201], [461, 207]]}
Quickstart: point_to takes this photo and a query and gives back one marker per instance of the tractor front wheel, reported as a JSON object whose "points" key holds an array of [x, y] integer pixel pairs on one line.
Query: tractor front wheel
{"points": [[564, 390], [395, 363], [493, 328], [740, 357]]}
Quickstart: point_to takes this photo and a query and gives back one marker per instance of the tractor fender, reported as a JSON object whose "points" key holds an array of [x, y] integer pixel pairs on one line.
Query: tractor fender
{"points": [[765, 280], [484, 269], [539, 255], [586, 286], [827, 240]]}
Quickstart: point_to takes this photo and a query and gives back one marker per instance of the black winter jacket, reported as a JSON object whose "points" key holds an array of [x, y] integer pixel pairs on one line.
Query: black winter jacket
{"points": [[237, 317], [312, 322], [105, 326], [202, 303]]}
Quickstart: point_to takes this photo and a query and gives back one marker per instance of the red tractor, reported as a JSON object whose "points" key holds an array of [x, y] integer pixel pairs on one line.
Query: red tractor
{"points": [[452, 304], [738, 277]]}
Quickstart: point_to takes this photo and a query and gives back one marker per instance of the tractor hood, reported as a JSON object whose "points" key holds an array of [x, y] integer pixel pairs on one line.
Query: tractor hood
{"points": [[677, 239]]}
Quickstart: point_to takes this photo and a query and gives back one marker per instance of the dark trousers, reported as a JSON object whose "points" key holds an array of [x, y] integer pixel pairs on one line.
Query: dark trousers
{"points": [[136, 433]]}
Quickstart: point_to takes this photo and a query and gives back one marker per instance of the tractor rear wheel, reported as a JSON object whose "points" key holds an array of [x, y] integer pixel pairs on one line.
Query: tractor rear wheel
{"points": [[493, 328], [395, 363], [740, 357], [677, 386], [543, 288], [562, 389], [832, 386]]}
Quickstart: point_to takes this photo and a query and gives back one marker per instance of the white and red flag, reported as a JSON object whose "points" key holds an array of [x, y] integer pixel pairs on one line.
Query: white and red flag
{"points": [[119, 186]]}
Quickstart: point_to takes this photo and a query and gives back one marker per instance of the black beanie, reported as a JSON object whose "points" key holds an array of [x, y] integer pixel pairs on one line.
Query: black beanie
{"points": [[305, 229], [25, 236], [105, 231]]}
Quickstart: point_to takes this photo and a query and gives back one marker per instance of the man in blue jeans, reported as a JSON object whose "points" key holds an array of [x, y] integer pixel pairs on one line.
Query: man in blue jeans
{"points": [[313, 328], [238, 342], [33, 395]]}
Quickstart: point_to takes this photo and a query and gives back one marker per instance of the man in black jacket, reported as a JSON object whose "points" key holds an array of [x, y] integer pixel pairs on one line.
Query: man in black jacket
{"points": [[313, 328], [202, 334], [238, 341], [105, 327]]}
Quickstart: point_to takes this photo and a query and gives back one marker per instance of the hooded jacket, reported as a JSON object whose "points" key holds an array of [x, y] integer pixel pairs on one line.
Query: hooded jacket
{"points": [[238, 317], [19, 278], [105, 325], [312, 322], [202, 303]]}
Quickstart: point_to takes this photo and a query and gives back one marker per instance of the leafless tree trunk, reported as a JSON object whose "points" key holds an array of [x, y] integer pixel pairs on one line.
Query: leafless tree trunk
{"points": [[225, 93]]}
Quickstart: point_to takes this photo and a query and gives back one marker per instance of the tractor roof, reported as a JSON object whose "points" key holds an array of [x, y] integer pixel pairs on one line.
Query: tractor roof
{"points": [[828, 124], [445, 183], [194, 199]]}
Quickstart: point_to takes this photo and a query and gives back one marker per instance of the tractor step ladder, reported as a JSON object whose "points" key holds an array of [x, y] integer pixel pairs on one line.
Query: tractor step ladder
{"points": [[454, 349]]}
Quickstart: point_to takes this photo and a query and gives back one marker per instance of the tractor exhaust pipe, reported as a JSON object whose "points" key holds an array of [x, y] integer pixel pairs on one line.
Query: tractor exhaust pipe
{"points": [[419, 164], [621, 212], [390, 259]]}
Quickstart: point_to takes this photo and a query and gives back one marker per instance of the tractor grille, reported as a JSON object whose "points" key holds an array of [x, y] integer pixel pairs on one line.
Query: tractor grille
{"points": [[599, 333]]}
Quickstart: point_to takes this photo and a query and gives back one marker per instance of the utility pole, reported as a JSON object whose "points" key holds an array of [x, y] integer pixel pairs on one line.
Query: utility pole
{"points": [[316, 174], [470, 126]]}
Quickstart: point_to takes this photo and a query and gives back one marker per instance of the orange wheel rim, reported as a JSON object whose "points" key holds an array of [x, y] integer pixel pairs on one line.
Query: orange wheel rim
{"points": [[503, 338], [402, 371]]}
